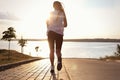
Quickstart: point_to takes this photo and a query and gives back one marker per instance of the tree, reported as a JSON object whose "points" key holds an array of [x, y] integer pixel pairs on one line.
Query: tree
{"points": [[22, 43], [8, 35], [36, 48]]}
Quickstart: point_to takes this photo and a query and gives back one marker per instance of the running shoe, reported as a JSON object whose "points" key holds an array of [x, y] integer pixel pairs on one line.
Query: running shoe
{"points": [[52, 70], [59, 66]]}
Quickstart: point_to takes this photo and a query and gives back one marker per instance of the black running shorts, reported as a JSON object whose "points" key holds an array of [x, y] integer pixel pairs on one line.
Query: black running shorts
{"points": [[55, 40]]}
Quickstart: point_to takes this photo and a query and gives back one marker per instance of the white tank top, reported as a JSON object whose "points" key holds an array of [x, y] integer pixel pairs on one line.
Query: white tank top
{"points": [[56, 22]]}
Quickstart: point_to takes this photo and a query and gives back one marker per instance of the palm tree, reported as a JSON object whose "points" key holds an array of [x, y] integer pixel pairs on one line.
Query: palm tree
{"points": [[8, 35], [22, 43]]}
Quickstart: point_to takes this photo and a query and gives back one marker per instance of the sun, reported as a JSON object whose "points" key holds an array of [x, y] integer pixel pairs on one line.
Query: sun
{"points": [[33, 17]]}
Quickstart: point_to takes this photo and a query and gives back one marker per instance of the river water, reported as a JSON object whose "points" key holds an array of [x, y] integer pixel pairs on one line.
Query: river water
{"points": [[69, 49]]}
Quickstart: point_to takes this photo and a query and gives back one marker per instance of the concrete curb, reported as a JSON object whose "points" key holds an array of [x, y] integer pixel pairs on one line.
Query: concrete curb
{"points": [[11, 65]]}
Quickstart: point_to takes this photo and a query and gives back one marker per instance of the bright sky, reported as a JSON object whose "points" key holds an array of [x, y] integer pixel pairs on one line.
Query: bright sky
{"points": [[86, 18]]}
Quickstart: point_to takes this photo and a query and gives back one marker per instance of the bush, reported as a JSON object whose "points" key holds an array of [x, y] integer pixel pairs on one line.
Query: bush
{"points": [[117, 54]]}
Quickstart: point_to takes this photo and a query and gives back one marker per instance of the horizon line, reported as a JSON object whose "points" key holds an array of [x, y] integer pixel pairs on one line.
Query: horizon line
{"points": [[78, 40]]}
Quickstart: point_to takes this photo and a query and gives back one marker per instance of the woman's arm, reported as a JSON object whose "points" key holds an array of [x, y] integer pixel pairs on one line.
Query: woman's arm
{"points": [[47, 23], [65, 21]]}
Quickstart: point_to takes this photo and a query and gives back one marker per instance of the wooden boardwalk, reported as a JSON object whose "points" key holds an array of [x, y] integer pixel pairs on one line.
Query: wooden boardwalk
{"points": [[73, 69], [37, 70]]}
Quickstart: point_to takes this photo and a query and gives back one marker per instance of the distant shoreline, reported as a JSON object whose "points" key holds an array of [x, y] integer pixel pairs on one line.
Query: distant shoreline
{"points": [[93, 40], [76, 40]]}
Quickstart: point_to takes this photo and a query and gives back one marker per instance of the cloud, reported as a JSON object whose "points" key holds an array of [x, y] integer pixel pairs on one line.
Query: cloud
{"points": [[8, 16]]}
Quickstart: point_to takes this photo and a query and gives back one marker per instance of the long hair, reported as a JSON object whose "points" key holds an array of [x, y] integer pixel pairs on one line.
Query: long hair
{"points": [[57, 5]]}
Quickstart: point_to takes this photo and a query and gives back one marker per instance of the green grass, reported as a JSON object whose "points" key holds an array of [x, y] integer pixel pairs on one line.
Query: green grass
{"points": [[14, 56]]}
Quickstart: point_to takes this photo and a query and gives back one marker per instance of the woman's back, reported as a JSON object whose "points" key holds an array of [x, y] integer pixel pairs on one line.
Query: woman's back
{"points": [[55, 22]]}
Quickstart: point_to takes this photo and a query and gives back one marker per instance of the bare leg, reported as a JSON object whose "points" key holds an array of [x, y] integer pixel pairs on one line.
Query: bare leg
{"points": [[59, 64], [52, 61], [58, 52], [51, 46], [52, 57]]}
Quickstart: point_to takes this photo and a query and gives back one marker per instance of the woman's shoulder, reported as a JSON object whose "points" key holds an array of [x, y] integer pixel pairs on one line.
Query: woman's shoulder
{"points": [[52, 12]]}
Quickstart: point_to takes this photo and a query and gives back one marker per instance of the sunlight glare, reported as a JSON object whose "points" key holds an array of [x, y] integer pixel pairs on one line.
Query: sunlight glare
{"points": [[32, 24]]}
